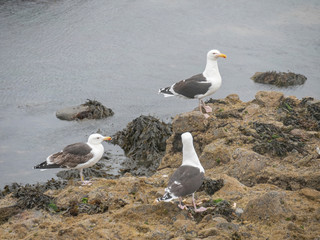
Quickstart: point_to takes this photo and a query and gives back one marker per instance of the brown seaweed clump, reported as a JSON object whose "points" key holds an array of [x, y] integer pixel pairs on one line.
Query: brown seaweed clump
{"points": [[210, 186], [216, 207], [95, 111], [52, 184], [273, 140], [144, 142], [86, 206], [30, 197], [305, 115], [280, 79]]}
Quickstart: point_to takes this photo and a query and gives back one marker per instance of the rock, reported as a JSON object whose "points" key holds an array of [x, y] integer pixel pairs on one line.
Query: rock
{"points": [[279, 201], [312, 194], [70, 113], [214, 155], [233, 98], [280, 79], [189, 122], [144, 143], [269, 99], [90, 110], [270, 207], [207, 232], [232, 189], [252, 109], [247, 165]]}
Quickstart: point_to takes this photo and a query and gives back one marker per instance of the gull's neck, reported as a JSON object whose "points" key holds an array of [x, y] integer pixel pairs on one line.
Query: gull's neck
{"points": [[211, 69], [190, 156]]}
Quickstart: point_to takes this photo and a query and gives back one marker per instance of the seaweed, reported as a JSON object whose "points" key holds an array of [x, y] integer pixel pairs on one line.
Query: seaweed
{"points": [[96, 111], [305, 115], [210, 186], [90, 207], [30, 197], [41, 187], [144, 142], [228, 114], [274, 141], [220, 208], [280, 79], [218, 101]]}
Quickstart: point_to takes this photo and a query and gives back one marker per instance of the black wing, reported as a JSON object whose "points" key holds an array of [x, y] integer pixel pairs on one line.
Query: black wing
{"points": [[185, 180], [192, 86]]}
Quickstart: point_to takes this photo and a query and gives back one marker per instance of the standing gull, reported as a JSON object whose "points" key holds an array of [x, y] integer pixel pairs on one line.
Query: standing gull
{"points": [[77, 156], [200, 85], [188, 177]]}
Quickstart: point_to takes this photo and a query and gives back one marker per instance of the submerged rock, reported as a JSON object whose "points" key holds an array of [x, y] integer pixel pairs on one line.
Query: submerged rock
{"points": [[280, 79], [91, 109], [144, 143]]}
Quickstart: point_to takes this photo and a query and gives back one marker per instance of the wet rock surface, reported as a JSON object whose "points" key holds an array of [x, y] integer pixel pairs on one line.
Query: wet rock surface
{"points": [[280, 79], [267, 193], [91, 109]]}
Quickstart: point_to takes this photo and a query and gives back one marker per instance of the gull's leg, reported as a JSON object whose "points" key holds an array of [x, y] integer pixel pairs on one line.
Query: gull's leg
{"points": [[83, 182], [180, 205], [207, 108], [201, 104], [201, 209]]}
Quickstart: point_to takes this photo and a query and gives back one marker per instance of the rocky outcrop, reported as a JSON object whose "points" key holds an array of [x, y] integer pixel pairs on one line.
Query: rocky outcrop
{"points": [[261, 182], [255, 141], [280, 79], [89, 110], [144, 143]]}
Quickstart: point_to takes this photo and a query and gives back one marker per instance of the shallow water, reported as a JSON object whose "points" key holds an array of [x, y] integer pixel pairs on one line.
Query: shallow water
{"points": [[59, 53]]}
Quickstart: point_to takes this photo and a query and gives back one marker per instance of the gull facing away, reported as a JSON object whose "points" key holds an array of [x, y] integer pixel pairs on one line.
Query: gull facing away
{"points": [[188, 178], [77, 156], [201, 85]]}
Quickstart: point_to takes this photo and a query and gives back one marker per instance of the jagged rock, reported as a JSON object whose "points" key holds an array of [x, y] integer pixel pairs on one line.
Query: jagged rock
{"points": [[264, 195], [268, 98], [247, 165], [189, 122], [270, 207], [89, 110], [144, 143], [280, 79], [311, 194], [214, 155]]}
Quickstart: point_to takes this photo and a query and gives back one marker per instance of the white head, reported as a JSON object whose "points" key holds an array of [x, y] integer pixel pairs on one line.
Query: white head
{"points": [[215, 54], [186, 138], [97, 138]]}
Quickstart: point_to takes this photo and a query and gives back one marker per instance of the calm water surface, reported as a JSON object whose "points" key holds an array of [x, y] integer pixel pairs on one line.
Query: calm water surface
{"points": [[59, 53]]}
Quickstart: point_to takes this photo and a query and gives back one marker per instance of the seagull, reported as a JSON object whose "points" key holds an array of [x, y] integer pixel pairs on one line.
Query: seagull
{"points": [[188, 178], [77, 156], [201, 85]]}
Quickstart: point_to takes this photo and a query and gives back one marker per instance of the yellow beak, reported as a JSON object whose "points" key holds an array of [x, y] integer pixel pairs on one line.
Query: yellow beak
{"points": [[107, 138], [223, 55]]}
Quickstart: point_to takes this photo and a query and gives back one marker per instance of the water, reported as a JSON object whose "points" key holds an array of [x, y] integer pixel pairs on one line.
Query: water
{"points": [[59, 53]]}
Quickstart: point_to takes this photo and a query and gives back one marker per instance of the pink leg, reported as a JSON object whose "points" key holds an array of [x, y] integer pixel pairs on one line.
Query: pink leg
{"points": [[201, 209], [180, 205], [200, 108], [207, 108]]}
